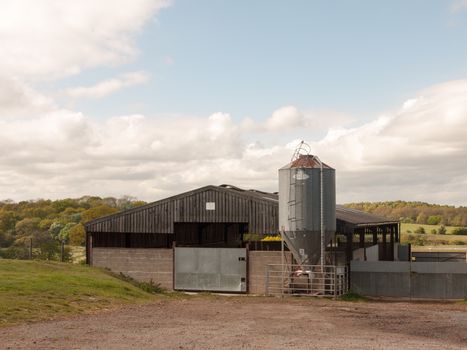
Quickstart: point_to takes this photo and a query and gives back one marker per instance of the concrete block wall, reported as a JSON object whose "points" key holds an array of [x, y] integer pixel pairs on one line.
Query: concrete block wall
{"points": [[157, 264], [139, 263], [257, 264]]}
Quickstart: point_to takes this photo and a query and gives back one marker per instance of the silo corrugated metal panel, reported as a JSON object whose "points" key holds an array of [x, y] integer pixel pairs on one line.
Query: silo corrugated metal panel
{"points": [[300, 206]]}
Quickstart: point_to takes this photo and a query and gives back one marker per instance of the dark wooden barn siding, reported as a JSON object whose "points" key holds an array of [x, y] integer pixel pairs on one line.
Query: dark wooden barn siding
{"points": [[159, 217]]}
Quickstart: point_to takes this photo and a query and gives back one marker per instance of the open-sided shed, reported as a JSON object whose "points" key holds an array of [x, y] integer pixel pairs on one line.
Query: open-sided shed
{"points": [[136, 240]]}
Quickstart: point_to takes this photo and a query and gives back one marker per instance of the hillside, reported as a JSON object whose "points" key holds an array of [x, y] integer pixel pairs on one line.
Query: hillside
{"points": [[33, 290], [416, 212], [46, 223]]}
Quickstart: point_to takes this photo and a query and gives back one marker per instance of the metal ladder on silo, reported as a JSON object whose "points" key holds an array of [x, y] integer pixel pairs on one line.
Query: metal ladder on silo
{"points": [[294, 205]]}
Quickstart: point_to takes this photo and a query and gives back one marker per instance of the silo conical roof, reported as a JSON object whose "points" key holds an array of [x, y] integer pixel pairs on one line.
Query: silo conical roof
{"points": [[305, 161]]}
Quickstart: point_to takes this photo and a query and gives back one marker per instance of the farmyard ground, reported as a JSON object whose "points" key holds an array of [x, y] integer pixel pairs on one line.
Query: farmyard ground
{"points": [[217, 322]]}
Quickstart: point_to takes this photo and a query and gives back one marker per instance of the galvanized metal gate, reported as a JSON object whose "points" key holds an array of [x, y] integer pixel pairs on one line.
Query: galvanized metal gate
{"points": [[312, 280], [210, 269]]}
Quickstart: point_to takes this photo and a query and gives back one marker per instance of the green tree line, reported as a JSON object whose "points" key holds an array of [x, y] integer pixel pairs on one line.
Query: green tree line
{"points": [[48, 222], [416, 212]]}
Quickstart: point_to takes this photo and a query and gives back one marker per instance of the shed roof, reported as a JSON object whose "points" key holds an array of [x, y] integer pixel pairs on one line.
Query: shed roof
{"points": [[352, 216]]}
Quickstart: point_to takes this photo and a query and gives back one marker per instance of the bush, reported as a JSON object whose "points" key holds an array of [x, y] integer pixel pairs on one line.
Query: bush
{"points": [[148, 287], [434, 220], [433, 231], [77, 235], [44, 248], [15, 252], [420, 241], [461, 231], [459, 242], [420, 230], [442, 230]]}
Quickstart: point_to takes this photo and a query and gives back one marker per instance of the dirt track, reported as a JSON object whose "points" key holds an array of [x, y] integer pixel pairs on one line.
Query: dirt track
{"points": [[252, 323]]}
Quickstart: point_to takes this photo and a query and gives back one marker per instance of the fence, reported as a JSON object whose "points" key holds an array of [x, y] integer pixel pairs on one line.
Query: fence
{"points": [[42, 249], [311, 280]]}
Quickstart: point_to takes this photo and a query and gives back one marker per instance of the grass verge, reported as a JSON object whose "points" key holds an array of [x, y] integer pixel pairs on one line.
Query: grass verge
{"points": [[353, 297], [38, 290]]}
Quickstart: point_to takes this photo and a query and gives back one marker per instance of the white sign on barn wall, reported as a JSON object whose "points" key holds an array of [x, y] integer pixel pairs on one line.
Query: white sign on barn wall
{"points": [[210, 206]]}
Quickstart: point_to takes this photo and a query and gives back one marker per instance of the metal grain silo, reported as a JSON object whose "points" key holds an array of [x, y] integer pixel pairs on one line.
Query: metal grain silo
{"points": [[300, 214]]}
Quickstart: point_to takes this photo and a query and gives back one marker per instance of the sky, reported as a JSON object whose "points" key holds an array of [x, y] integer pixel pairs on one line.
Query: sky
{"points": [[150, 98]]}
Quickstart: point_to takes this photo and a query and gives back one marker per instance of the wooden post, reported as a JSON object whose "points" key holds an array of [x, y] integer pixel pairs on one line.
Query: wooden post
{"points": [[91, 250], [30, 248], [62, 249]]}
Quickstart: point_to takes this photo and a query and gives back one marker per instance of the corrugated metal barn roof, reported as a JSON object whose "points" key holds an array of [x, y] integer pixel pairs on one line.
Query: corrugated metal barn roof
{"points": [[167, 211], [352, 216]]}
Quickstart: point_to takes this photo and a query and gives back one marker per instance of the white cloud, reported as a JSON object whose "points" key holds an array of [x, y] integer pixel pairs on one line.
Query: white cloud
{"points": [[291, 119], [46, 39], [47, 151], [418, 153], [18, 99], [284, 118], [108, 87], [458, 5], [415, 153]]}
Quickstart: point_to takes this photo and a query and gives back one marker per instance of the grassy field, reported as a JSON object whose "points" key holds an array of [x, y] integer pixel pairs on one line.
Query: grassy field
{"points": [[34, 290], [429, 239], [405, 228]]}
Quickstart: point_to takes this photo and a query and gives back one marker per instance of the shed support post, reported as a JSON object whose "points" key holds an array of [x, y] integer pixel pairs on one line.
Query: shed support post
{"points": [[349, 252], [384, 243]]}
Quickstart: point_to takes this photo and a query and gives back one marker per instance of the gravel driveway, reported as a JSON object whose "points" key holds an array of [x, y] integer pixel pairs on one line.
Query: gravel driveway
{"points": [[215, 322]]}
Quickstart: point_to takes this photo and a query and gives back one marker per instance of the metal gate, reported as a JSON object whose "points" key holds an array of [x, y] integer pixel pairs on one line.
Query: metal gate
{"points": [[312, 280], [210, 269]]}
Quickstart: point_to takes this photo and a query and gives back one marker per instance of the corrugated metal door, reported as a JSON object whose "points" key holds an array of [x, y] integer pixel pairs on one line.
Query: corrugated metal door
{"points": [[210, 269]]}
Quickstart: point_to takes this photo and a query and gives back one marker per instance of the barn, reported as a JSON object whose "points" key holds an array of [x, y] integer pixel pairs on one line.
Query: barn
{"points": [[210, 239]]}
